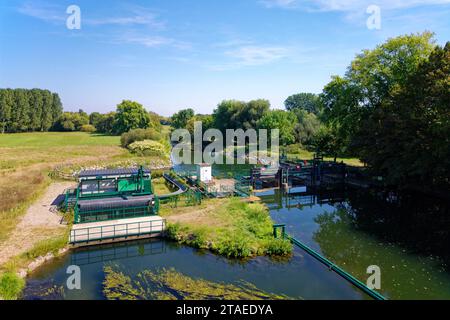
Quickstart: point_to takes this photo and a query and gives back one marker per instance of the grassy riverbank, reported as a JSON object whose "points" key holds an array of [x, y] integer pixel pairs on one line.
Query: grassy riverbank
{"points": [[229, 227]]}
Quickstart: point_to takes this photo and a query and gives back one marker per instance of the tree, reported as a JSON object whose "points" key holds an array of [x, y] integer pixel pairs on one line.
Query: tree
{"points": [[46, 111], [407, 139], [181, 118], [372, 78], [252, 112], [6, 108], [95, 118], [308, 102], [155, 121], [57, 107], [20, 119], [306, 127], [130, 115], [71, 121], [28, 110], [234, 114], [226, 115], [327, 143], [106, 123], [282, 120]]}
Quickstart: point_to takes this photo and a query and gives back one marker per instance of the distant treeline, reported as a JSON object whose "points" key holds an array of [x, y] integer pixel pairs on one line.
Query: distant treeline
{"points": [[24, 110]]}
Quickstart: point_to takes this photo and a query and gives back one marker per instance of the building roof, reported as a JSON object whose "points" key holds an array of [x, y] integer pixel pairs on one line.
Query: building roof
{"points": [[111, 172]]}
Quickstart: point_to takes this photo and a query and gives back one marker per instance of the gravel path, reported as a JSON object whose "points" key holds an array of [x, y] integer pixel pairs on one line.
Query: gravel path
{"points": [[39, 223]]}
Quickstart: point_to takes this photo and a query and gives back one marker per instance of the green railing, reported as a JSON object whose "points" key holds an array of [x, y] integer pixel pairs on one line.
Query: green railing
{"points": [[347, 276], [132, 229], [113, 214]]}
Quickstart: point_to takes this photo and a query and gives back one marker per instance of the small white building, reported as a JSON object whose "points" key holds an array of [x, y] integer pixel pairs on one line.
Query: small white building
{"points": [[204, 172]]}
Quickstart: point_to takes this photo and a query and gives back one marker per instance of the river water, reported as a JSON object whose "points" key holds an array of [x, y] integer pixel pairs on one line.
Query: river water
{"points": [[407, 237]]}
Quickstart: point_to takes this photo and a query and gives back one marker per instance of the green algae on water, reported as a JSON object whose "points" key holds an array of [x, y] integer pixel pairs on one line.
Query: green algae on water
{"points": [[169, 284]]}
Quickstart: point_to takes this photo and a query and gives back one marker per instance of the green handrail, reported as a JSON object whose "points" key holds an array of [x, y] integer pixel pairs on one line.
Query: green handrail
{"points": [[347, 276]]}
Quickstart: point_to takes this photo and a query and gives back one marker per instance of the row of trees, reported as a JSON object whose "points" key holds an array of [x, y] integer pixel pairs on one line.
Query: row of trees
{"points": [[128, 115], [296, 125], [24, 110]]}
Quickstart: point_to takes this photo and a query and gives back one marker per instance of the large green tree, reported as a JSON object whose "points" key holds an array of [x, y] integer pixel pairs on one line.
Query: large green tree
{"points": [[182, 117], [281, 120], [308, 102], [234, 114], [372, 78], [407, 138], [6, 108], [130, 115]]}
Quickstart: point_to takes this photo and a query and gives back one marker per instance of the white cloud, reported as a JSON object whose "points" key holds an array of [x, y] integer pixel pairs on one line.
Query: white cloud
{"points": [[151, 41], [251, 55], [349, 5], [43, 12], [257, 55], [56, 14], [279, 3]]}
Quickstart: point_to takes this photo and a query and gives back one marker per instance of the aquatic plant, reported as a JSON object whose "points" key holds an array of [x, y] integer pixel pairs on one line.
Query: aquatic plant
{"points": [[11, 286], [169, 284]]}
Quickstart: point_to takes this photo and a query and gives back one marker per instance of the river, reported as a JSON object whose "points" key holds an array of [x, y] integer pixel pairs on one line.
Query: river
{"points": [[406, 236]]}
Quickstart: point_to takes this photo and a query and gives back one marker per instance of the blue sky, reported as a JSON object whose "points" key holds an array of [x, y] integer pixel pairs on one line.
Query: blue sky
{"points": [[169, 54]]}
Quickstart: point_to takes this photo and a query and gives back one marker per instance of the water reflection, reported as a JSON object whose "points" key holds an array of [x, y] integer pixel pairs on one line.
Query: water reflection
{"points": [[407, 236], [300, 277]]}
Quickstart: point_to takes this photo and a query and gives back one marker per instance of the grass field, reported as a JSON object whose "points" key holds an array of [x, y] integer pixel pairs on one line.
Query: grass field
{"points": [[27, 158], [305, 155]]}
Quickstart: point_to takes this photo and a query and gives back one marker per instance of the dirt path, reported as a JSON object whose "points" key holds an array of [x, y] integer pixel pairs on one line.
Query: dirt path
{"points": [[40, 222]]}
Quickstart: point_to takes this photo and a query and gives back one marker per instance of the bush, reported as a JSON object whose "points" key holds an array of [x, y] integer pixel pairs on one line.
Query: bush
{"points": [[148, 148], [139, 135], [278, 247], [11, 286], [88, 128], [236, 246]]}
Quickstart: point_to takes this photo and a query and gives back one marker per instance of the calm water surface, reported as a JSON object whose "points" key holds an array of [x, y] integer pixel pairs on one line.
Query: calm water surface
{"points": [[407, 236]]}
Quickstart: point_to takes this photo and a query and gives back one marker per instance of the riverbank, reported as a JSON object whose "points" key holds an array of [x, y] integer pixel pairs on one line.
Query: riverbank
{"points": [[229, 227]]}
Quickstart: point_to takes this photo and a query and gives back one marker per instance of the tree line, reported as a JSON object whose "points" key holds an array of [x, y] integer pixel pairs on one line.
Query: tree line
{"points": [[297, 124], [24, 110]]}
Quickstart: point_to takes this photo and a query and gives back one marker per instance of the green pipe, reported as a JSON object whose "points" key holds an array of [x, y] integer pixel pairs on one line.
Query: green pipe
{"points": [[338, 270]]}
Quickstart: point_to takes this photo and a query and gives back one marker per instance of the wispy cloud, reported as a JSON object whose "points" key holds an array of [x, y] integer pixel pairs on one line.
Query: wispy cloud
{"points": [[348, 5], [152, 41], [257, 55], [287, 4], [250, 55], [43, 11], [57, 14]]}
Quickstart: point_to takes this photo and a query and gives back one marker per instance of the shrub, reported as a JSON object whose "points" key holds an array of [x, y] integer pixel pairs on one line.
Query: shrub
{"points": [[11, 286], [235, 246], [147, 148], [278, 247], [139, 135], [88, 128]]}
